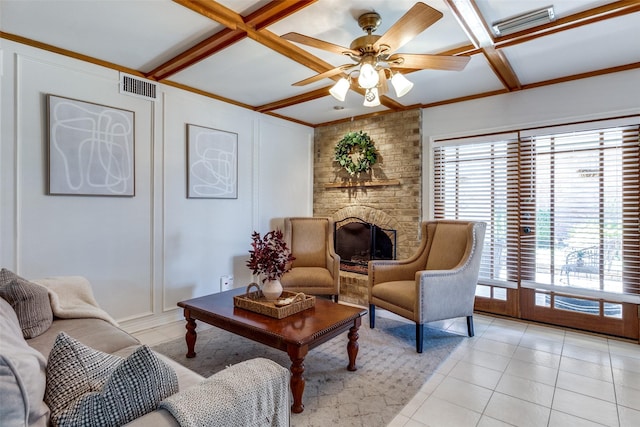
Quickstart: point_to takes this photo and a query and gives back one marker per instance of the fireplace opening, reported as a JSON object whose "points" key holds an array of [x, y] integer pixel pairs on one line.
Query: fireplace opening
{"points": [[357, 242]]}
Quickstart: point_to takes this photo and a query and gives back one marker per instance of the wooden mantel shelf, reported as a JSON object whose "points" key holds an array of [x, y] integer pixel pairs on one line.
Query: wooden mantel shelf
{"points": [[355, 184]]}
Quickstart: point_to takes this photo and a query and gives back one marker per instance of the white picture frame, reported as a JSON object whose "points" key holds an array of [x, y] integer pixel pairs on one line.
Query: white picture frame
{"points": [[91, 149], [212, 163]]}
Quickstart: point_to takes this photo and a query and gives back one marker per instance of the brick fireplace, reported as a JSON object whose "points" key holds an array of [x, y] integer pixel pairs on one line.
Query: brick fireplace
{"points": [[390, 196]]}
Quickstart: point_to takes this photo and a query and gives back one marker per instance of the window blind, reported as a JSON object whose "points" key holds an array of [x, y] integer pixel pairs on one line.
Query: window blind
{"points": [[476, 179], [579, 199]]}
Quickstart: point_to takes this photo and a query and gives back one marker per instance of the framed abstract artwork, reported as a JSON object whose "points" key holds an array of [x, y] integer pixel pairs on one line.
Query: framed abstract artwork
{"points": [[90, 149], [212, 163]]}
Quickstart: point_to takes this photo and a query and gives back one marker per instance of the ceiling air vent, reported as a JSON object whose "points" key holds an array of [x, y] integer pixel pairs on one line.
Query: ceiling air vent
{"points": [[141, 88]]}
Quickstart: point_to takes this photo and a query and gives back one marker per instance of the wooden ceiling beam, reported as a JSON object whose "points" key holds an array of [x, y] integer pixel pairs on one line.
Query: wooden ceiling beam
{"points": [[261, 18], [502, 68], [298, 99]]}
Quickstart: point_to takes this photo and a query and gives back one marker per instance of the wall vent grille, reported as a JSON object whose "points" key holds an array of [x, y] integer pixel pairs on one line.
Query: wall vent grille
{"points": [[135, 86]]}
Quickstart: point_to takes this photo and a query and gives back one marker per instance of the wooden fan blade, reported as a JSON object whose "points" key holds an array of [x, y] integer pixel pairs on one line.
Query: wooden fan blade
{"points": [[416, 20], [317, 77], [320, 44], [433, 62]]}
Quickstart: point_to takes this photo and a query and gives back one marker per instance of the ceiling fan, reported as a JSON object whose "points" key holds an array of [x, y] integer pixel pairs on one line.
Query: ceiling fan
{"points": [[375, 60]]}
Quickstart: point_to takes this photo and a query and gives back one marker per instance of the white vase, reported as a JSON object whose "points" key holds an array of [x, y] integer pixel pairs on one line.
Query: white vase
{"points": [[272, 289]]}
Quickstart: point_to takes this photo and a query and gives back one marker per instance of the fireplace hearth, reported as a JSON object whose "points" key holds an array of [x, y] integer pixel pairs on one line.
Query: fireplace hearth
{"points": [[358, 241]]}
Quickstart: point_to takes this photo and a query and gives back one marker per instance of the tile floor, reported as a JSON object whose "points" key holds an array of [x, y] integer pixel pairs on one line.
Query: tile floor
{"points": [[518, 374]]}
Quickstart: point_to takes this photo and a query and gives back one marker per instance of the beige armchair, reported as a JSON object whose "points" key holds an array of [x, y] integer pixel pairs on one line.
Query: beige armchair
{"points": [[437, 283], [316, 269]]}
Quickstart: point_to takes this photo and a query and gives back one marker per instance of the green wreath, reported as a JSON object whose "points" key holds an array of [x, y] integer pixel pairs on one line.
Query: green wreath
{"points": [[356, 142]]}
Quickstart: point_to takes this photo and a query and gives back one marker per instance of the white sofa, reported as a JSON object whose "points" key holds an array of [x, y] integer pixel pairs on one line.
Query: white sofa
{"points": [[239, 389]]}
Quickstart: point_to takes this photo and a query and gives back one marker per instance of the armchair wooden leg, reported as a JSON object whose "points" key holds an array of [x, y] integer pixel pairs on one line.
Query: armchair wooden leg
{"points": [[372, 316], [419, 337], [470, 325]]}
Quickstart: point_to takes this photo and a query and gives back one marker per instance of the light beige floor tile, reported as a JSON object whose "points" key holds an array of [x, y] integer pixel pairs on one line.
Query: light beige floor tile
{"points": [[516, 411], [624, 348], [495, 347], [587, 369], [629, 417], [478, 375], [625, 363], [538, 357], [440, 413], [463, 394], [602, 390], [413, 423], [586, 354], [626, 378], [533, 372], [431, 384], [416, 402], [586, 407], [560, 419], [399, 421], [541, 331], [591, 342], [487, 360], [545, 344], [486, 421], [445, 367], [503, 334], [531, 391], [628, 397]]}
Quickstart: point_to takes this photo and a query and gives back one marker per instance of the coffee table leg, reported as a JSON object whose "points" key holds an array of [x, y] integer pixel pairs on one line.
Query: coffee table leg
{"points": [[352, 346], [191, 336], [297, 354]]}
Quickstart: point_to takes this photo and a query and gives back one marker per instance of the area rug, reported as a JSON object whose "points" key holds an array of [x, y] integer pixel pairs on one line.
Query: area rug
{"points": [[389, 374]]}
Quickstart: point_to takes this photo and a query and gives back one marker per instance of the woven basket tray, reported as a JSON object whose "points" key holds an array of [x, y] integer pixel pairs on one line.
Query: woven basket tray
{"points": [[256, 302]]}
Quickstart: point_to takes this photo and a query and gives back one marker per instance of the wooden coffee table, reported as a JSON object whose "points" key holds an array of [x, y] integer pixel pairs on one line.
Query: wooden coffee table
{"points": [[295, 334]]}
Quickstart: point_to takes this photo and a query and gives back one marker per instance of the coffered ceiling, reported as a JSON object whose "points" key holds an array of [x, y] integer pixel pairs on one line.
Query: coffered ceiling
{"points": [[232, 49]]}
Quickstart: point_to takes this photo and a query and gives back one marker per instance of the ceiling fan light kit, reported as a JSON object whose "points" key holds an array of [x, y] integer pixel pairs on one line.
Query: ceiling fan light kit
{"points": [[400, 84], [375, 56], [340, 89], [524, 21]]}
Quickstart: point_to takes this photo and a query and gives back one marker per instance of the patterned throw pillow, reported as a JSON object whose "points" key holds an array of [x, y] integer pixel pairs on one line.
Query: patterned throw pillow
{"points": [[29, 301], [89, 387]]}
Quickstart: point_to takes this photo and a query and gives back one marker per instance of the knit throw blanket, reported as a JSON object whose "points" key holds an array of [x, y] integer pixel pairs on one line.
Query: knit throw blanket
{"points": [[71, 297], [251, 393]]}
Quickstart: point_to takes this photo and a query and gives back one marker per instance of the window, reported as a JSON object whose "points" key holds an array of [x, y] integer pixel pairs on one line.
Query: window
{"points": [[561, 206]]}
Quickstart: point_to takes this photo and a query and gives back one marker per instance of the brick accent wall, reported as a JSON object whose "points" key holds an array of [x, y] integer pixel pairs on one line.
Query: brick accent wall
{"points": [[395, 203]]}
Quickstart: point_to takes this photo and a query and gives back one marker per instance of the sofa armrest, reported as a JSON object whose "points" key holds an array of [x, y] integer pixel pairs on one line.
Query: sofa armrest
{"points": [[251, 393]]}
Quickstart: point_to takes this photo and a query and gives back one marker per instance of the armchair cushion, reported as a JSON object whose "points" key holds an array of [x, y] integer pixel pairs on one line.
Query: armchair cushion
{"points": [[308, 243], [400, 293], [448, 246], [307, 277]]}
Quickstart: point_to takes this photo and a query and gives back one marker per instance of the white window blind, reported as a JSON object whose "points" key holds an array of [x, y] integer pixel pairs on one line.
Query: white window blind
{"points": [[476, 179], [579, 196]]}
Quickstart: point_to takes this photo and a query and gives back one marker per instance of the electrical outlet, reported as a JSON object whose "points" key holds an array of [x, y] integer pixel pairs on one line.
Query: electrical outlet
{"points": [[226, 283]]}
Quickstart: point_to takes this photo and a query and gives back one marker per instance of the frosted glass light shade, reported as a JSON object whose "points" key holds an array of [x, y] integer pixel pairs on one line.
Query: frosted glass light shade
{"points": [[401, 84], [371, 98], [368, 77], [340, 89]]}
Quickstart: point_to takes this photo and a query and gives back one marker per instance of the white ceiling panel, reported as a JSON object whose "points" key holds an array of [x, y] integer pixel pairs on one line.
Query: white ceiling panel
{"points": [[594, 47], [322, 110], [249, 73], [134, 34], [433, 85]]}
